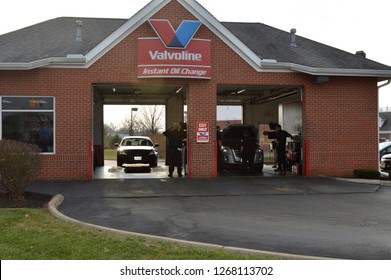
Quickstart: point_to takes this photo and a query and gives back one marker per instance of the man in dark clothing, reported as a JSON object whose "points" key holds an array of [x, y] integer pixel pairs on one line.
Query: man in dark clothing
{"points": [[281, 136], [248, 150], [175, 138]]}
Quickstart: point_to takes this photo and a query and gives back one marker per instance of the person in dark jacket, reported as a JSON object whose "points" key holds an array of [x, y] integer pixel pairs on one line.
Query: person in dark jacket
{"points": [[175, 137], [248, 150], [281, 136]]}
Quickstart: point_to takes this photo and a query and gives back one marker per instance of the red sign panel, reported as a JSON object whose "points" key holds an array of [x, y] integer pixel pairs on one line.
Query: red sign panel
{"points": [[202, 132], [175, 53], [157, 61]]}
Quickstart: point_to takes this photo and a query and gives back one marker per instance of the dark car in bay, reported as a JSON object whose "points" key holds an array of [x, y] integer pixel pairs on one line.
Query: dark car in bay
{"points": [[232, 139], [137, 150]]}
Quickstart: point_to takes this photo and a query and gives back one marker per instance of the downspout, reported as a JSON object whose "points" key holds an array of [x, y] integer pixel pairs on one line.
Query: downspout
{"points": [[378, 108], [385, 84]]}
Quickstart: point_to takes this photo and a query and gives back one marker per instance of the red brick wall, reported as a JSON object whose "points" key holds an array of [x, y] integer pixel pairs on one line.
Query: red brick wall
{"points": [[340, 122], [339, 118], [73, 111]]}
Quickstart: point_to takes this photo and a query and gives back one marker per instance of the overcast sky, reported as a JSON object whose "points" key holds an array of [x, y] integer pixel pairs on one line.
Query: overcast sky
{"points": [[350, 25]]}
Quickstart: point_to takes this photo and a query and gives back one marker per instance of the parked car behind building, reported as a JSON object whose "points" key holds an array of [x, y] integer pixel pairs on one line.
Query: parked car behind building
{"points": [[384, 149], [385, 163]]}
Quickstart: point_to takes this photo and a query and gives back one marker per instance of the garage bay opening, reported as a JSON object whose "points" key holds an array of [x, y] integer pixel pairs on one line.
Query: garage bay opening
{"points": [[128, 126], [251, 114]]}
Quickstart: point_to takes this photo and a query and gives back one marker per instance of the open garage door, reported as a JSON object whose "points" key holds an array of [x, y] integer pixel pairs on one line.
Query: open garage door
{"points": [[263, 107], [172, 97]]}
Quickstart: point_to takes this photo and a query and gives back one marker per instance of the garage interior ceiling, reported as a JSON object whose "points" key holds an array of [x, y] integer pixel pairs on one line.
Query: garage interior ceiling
{"points": [[239, 95], [148, 94], [138, 94]]}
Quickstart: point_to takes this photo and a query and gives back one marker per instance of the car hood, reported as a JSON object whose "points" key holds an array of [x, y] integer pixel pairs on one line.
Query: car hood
{"points": [[237, 131], [135, 148], [232, 135]]}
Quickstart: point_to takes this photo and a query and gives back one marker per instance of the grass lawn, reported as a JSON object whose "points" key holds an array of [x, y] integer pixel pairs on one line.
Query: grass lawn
{"points": [[110, 154], [33, 234]]}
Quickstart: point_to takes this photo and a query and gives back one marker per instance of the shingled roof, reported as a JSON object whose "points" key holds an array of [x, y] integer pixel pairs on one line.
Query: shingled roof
{"points": [[53, 43], [55, 38], [271, 43]]}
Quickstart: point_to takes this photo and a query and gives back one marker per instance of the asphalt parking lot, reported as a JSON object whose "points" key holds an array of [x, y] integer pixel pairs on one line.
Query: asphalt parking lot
{"points": [[309, 216]]}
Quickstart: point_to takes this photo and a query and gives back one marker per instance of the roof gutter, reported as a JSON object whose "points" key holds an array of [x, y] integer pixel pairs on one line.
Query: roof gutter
{"points": [[70, 61], [269, 64]]}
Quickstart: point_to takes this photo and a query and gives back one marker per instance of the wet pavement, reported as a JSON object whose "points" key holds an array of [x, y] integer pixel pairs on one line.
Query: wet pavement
{"points": [[286, 214]]}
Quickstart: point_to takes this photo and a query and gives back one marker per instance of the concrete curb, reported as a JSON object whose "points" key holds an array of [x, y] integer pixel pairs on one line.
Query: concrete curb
{"points": [[385, 183], [58, 199], [364, 181]]}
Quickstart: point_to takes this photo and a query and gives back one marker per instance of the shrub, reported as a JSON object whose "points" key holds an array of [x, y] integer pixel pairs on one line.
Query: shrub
{"points": [[366, 173], [19, 166]]}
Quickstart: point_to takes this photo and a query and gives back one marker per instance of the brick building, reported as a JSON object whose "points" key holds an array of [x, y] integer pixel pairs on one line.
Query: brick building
{"points": [[56, 76]]}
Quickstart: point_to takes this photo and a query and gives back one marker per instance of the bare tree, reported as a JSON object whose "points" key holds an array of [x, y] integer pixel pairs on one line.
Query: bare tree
{"points": [[151, 119], [130, 126], [148, 120]]}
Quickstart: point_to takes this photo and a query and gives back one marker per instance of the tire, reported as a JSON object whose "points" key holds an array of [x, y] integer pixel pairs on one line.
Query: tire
{"points": [[153, 164], [260, 168]]}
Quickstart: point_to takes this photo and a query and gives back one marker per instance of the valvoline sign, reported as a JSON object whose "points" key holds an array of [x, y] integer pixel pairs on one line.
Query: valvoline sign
{"points": [[175, 39], [174, 53]]}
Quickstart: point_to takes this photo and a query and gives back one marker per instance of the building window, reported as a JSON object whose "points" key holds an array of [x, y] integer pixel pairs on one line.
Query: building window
{"points": [[28, 119]]}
